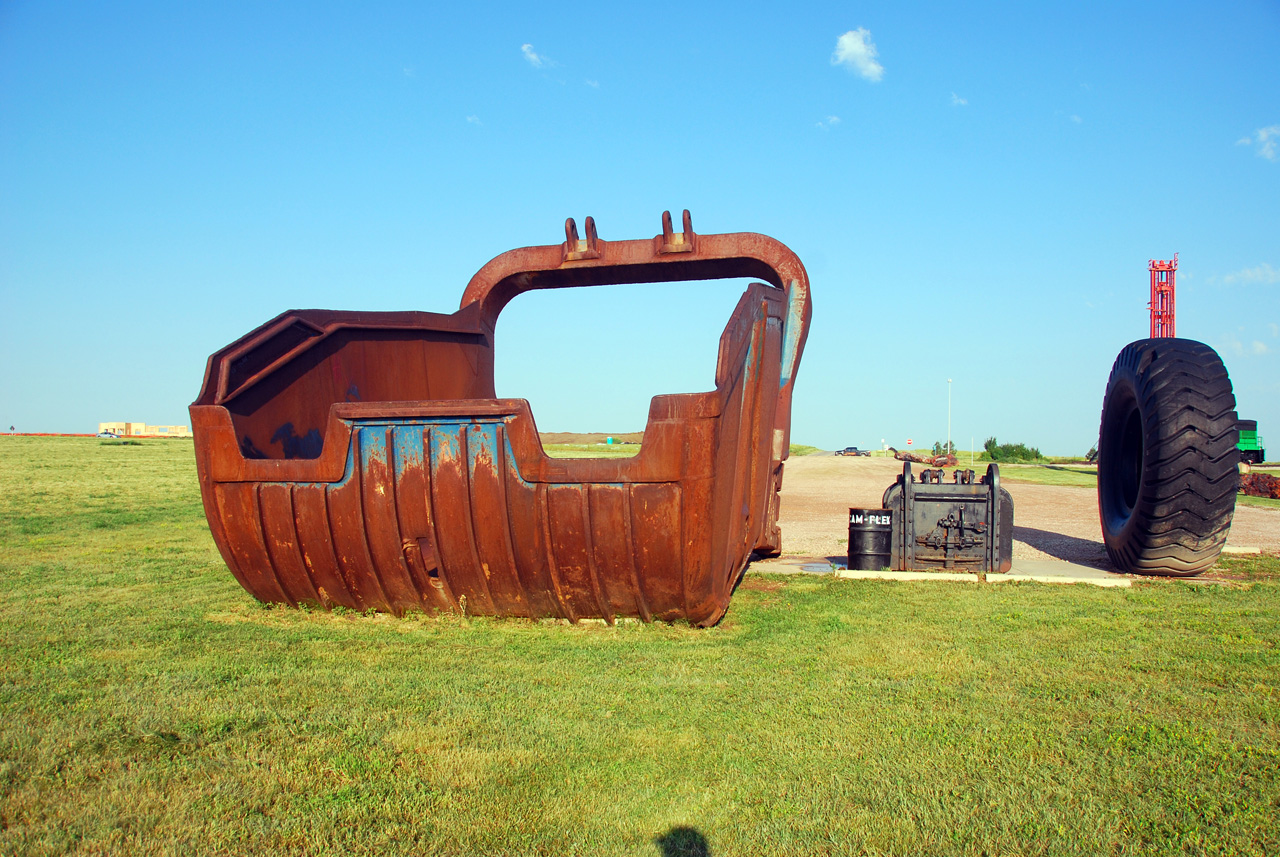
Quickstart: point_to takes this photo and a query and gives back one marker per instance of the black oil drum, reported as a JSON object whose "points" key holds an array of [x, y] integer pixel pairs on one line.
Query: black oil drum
{"points": [[870, 538]]}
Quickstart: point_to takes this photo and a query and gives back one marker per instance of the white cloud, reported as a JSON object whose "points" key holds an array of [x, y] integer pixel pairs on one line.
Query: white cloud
{"points": [[594, 84], [1267, 141], [856, 52], [1231, 344], [536, 60], [1076, 119], [1275, 330], [1264, 274], [474, 119], [957, 101], [829, 122]]}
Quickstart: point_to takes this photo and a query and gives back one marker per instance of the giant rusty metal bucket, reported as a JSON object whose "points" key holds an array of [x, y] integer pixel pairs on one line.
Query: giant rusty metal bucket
{"points": [[362, 459]]}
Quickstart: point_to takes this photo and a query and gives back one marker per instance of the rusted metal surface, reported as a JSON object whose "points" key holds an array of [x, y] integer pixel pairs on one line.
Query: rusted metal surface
{"points": [[362, 459], [944, 460], [1260, 485]]}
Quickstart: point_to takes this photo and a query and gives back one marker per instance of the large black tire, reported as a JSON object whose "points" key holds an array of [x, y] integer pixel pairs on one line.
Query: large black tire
{"points": [[1167, 458]]}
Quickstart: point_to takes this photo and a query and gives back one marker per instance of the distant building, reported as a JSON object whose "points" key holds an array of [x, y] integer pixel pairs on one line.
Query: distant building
{"points": [[144, 430]]}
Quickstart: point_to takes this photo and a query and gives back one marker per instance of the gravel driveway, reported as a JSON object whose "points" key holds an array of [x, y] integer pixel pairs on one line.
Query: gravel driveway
{"points": [[1050, 521]]}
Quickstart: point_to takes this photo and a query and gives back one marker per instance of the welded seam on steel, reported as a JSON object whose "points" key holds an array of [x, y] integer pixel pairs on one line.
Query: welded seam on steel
{"points": [[588, 539], [393, 490], [349, 565], [401, 446], [642, 605], [446, 587], [370, 514], [287, 526], [540, 517], [361, 474], [303, 562], [473, 540], [334, 546], [266, 544], [482, 443], [320, 548], [566, 606], [508, 538]]}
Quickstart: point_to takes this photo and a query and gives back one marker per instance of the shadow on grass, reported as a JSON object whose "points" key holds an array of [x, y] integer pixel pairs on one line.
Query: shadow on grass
{"points": [[683, 842], [1067, 548]]}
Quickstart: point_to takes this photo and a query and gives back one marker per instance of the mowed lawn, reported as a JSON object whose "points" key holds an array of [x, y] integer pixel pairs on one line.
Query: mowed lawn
{"points": [[151, 706]]}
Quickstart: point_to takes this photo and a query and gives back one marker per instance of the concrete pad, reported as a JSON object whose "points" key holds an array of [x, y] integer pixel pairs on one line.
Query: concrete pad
{"points": [[1057, 571], [791, 565], [1037, 570], [907, 575], [1241, 550]]}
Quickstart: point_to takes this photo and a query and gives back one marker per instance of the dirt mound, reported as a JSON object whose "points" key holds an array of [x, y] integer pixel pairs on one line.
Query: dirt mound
{"points": [[947, 460], [590, 437], [1260, 485]]}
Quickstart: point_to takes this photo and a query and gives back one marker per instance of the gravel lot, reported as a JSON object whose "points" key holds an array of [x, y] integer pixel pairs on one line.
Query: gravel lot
{"points": [[1050, 521]]}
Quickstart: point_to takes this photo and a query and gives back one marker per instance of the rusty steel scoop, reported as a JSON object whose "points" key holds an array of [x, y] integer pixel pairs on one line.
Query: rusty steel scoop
{"points": [[362, 459]]}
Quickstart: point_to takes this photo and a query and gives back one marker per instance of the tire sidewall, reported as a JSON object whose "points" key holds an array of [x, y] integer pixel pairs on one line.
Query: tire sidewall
{"points": [[1167, 458], [1119, 509]]}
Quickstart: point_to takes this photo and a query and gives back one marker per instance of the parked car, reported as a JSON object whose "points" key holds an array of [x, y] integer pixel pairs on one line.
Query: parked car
{"points": [[109, 434], [853, 450]]}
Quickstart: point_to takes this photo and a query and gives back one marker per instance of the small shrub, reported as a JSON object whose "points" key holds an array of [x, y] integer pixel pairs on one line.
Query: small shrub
{"points": [[1008, 452]]}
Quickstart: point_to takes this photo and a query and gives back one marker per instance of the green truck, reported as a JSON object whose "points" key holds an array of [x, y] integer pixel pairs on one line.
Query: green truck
{"points": [[1250, 444]]}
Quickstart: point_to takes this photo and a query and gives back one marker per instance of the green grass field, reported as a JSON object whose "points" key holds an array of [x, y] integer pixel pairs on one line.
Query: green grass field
{"points": [[623, 450], [1266, 502], [591, 450], [1087, 477], [152, 707], [1049, 474]]}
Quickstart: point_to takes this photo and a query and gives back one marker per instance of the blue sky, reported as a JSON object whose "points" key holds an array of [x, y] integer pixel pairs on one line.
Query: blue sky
{"points": [[975, 192]]}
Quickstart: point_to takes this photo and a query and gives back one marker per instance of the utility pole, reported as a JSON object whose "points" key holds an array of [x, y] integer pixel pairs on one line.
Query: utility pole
{"points": [[950, 450]]}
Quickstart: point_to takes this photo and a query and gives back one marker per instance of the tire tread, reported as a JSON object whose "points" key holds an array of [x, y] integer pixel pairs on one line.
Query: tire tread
{"points": [[1186, 497]]}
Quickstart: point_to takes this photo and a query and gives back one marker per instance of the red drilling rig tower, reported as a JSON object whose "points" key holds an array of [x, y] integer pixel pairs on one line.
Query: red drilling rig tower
{"points": [[1161, 306]]}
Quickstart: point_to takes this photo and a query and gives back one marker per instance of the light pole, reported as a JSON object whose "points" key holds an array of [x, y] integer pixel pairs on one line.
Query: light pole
{"points": [[950, 451]]}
